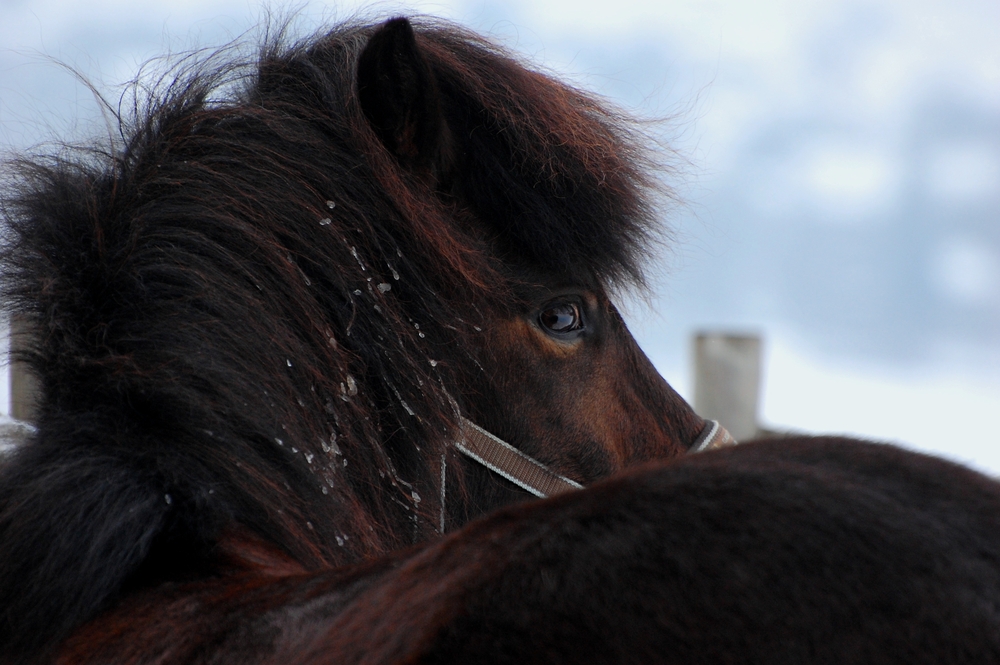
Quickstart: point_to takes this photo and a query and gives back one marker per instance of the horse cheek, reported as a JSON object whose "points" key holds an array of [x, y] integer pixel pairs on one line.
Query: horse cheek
{"points": [[554, 400]]}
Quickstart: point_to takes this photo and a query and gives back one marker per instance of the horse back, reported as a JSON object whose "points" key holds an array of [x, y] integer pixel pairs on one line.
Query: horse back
{"points": [[802, 550]]}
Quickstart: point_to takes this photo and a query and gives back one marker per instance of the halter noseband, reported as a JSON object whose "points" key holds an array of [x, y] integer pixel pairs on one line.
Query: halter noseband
{"points": [[528, 473], [712, 436]]}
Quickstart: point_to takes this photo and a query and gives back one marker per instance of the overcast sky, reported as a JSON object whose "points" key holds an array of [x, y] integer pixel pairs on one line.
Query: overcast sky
{"points": [[842, 165]]}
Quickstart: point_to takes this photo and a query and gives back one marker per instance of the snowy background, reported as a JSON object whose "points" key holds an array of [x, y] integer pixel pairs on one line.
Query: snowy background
{"points": [[842, 176]]}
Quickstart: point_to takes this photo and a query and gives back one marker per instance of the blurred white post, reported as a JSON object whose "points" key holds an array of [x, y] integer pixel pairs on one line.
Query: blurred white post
{"points": [[727, 381], [23, 384]]}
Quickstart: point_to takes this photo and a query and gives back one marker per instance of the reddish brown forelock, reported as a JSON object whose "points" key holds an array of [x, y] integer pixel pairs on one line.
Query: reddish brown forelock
{"points": [[574, 193]]}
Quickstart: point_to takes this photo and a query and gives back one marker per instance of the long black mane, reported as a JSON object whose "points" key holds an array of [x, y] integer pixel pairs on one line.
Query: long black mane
{"points": [[248, 312]]}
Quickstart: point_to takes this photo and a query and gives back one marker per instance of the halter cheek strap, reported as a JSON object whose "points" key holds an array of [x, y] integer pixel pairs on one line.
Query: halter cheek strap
{"points": [[500, 457], [528, 473]]}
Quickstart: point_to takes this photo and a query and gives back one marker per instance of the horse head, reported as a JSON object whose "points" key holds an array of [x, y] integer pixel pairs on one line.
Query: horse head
{"points": [[547, 185]]}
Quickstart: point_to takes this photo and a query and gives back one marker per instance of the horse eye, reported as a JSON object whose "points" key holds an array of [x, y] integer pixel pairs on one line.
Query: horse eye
{"points": [[561, 318]]}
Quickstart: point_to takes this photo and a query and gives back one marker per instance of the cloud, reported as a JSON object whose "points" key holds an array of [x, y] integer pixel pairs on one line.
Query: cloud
{"points": [[966, 271], [963, 172]]}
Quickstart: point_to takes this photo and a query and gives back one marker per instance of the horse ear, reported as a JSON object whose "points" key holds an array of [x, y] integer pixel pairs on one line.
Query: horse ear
{"points": [[399, 96]]}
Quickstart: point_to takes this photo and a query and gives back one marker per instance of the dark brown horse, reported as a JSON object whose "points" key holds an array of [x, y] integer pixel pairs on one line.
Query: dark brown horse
{"points": [[262, 317], [263, 324]]}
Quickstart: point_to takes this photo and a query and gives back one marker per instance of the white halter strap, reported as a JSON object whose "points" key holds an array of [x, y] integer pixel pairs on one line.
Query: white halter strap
{"points": [[528, 473], [712, 436]]}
